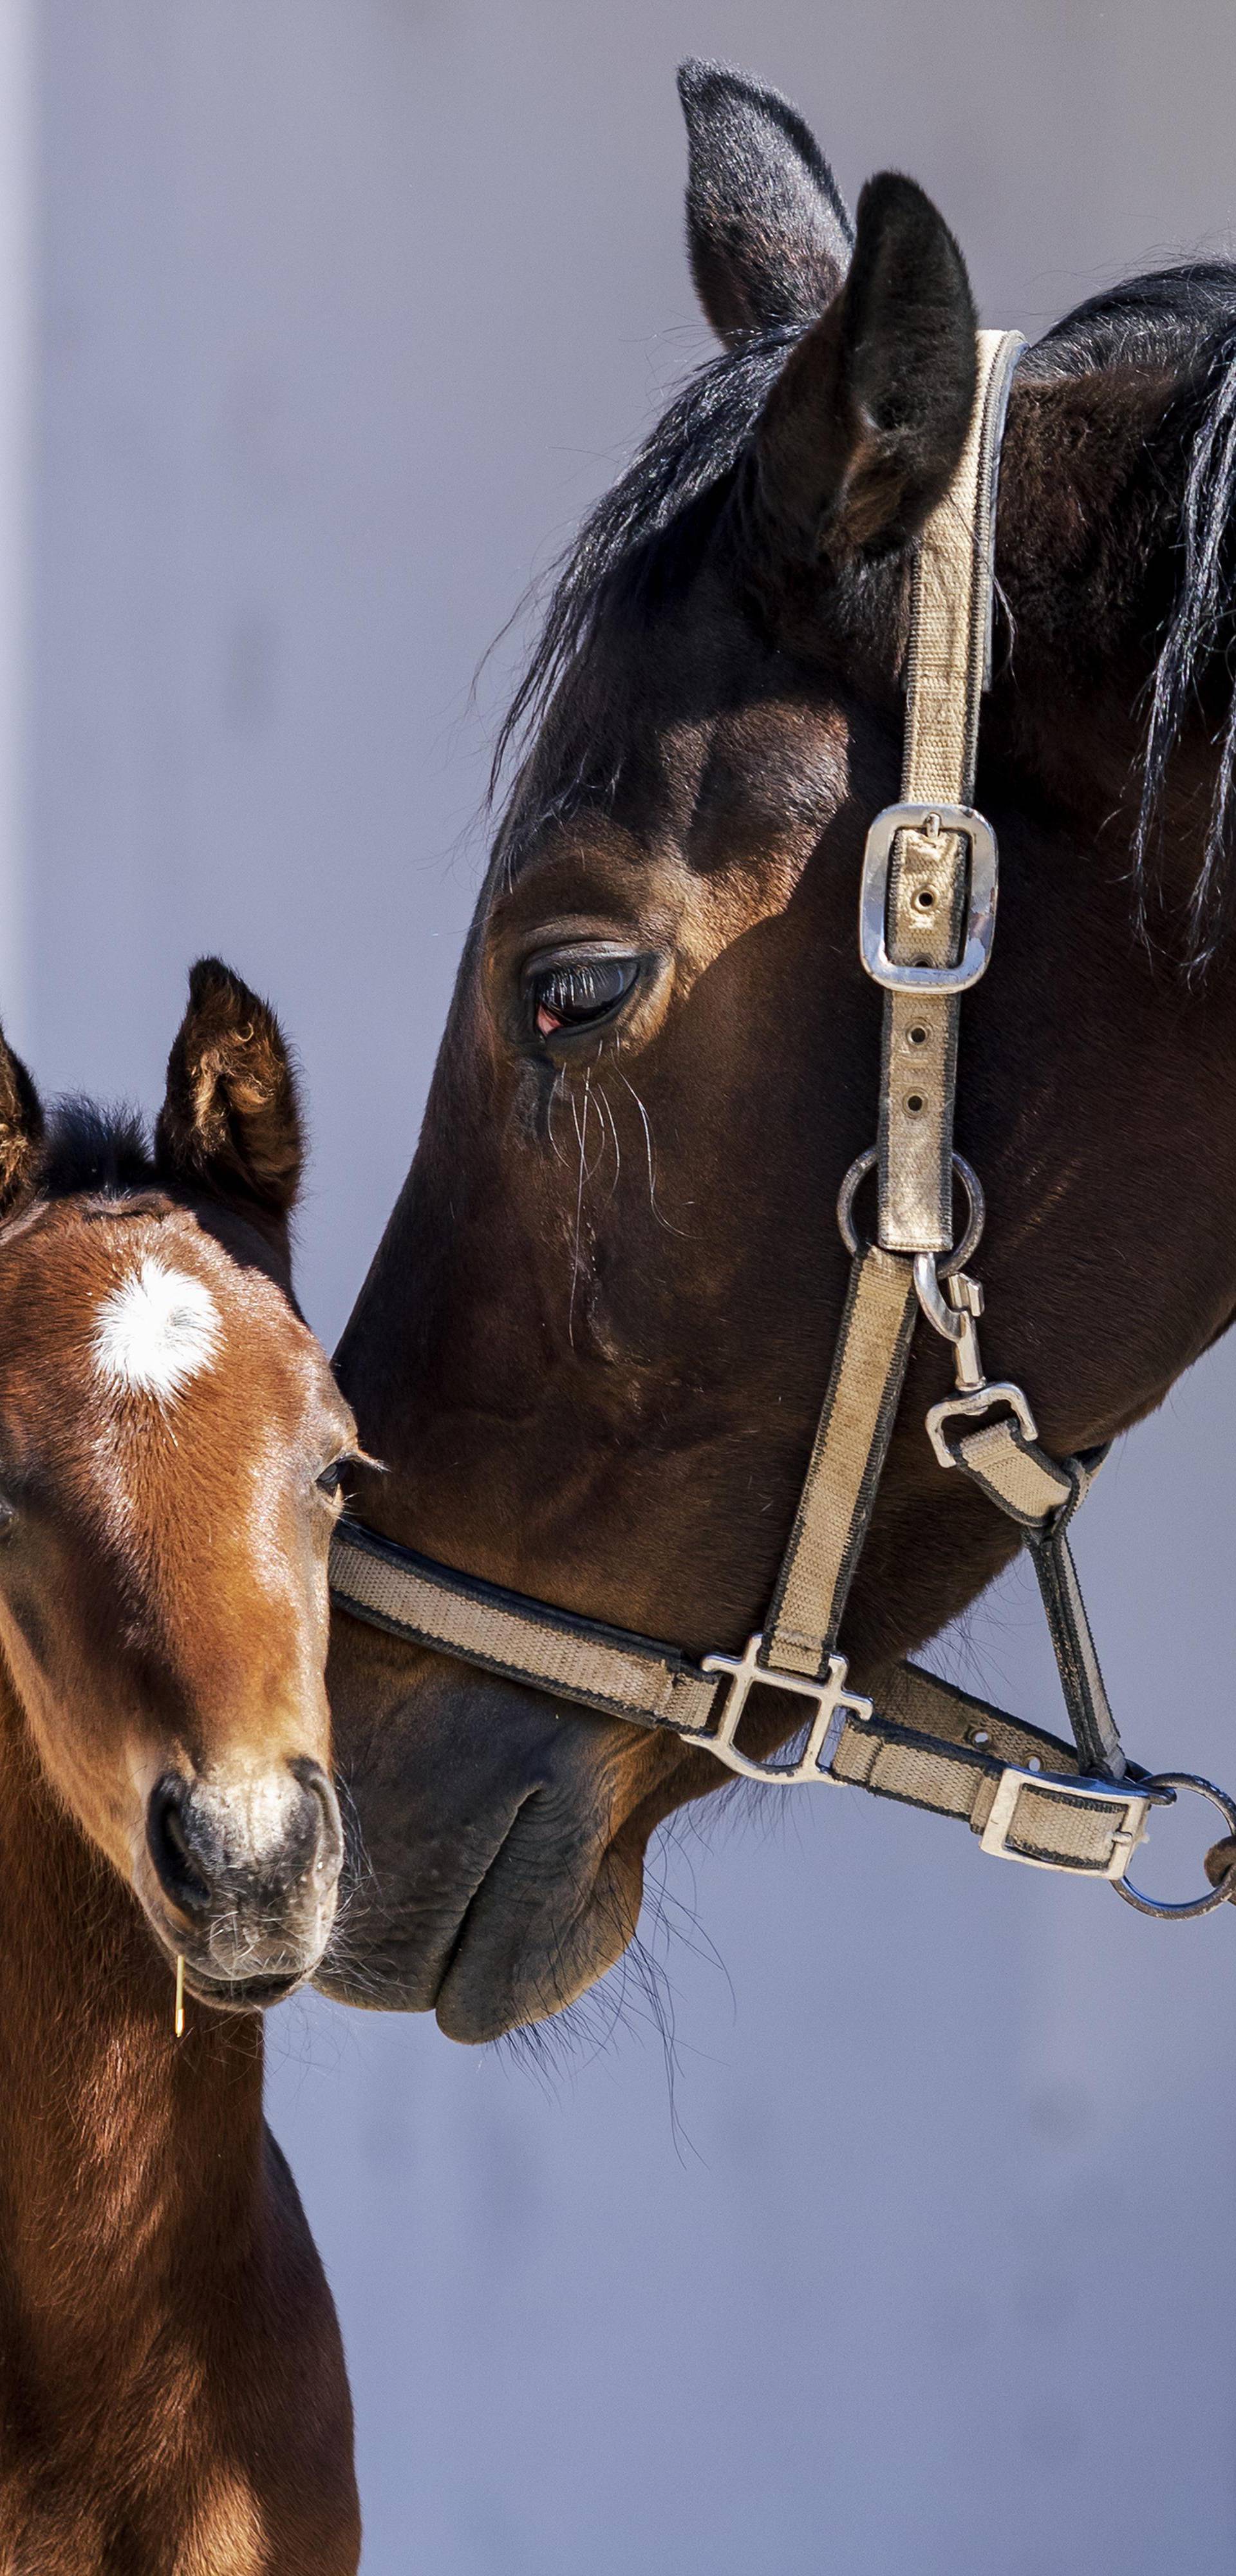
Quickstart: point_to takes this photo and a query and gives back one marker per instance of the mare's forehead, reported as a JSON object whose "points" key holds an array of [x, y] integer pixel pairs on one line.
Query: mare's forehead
{"points": [[706, 777]]}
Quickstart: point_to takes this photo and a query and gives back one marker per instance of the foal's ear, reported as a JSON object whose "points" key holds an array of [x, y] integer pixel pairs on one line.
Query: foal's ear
{"points": [[230, 1123], [865, 425], [768, 229], [21, 1130]]}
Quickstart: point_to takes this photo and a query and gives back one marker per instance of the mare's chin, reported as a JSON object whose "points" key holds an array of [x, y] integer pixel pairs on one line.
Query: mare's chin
{"points": [[525, 1886], [540, 1928], [494, 1983], [496, 1889]]}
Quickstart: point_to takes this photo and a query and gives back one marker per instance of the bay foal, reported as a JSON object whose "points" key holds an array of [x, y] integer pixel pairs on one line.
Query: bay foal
{"points": [[173, 2399]]}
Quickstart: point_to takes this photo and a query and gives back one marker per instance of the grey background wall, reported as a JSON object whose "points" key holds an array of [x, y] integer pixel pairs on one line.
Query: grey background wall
{"points": [[321, 321]]}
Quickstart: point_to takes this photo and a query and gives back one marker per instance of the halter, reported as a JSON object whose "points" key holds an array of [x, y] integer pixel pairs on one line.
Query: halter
{"points": [[926, 922]]}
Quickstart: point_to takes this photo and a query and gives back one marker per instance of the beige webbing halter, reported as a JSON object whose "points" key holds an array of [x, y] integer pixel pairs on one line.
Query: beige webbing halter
{"points": [[926, 921]]}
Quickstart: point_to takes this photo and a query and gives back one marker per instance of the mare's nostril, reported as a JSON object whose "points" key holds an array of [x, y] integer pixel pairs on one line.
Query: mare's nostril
{"points": [[170, 1841]]}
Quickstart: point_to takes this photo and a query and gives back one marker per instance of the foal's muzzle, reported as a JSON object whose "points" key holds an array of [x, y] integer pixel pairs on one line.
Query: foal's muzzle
{"points": [[246, 1869]]}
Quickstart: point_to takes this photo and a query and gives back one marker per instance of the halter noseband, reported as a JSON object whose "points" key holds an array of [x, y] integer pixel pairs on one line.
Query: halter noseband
{"points": [[926, 922]]}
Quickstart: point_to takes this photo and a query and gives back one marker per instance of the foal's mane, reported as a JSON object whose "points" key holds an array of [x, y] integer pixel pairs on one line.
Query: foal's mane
{"points": [[643, 540]]}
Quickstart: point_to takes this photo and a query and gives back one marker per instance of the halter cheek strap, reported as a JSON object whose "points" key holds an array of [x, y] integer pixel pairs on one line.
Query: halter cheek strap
{"points": [[926, 922]]}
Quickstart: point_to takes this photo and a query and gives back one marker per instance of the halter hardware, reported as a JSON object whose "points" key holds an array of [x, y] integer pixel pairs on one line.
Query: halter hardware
{"points": [[1010, 1835], [926, 925], [832, 1701], [957, 1321], [973, 1404], [960, 822]]}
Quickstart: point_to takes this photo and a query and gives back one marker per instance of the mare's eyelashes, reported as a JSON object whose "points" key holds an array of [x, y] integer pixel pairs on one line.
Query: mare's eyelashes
{"points": [[564, 994]]}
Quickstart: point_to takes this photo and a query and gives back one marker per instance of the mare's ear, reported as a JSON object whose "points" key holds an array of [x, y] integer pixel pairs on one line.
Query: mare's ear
{"points": [[865, 425], [230, 1123], [768, 230], [21, 1131]]}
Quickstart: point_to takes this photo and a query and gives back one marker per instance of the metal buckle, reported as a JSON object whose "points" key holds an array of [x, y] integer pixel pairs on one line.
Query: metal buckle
{"points": [[873, 899], [833, 1702], [972, 1407], [1110, 1793]]}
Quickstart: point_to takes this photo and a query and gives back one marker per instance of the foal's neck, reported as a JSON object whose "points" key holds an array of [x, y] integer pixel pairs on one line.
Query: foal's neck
{"points": [[172, 2390], [131, 2168]]}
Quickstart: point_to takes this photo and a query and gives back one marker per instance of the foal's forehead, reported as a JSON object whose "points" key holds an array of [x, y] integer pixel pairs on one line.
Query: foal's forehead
{"points": [[156, 1329], [143, 1307]]}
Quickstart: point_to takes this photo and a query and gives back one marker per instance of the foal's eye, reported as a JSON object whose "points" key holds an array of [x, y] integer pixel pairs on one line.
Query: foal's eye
{"points": [[332, 1480], [577, 992]]}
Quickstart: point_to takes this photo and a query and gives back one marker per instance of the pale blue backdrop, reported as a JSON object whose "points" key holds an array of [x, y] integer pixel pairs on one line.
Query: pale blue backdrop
{"points": [[320, 321]]}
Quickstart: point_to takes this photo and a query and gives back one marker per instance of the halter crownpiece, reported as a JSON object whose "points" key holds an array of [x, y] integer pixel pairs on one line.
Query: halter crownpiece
{"points": [[926, 923]]}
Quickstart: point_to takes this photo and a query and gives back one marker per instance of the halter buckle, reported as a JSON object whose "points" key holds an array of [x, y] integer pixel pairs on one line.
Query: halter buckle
{"points": [[833, 1704], [1000, 1833], [970, 826]]}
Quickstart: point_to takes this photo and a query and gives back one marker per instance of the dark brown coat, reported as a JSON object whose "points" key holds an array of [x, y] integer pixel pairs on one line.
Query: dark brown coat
{"points": [[593, 1343]]}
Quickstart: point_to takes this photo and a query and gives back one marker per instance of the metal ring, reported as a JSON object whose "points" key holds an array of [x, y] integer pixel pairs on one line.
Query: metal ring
{"points": [[946, 1262], [845, 1197], [973, 1187], [1214, 1895]]}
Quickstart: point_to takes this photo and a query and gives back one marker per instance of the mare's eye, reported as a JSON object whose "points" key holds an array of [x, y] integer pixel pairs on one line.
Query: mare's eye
{"points": [[578, 992]]}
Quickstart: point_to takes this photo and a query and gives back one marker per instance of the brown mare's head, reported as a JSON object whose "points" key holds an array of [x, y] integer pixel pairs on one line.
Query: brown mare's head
{"points": [[595, 1338], [170, 1445]]}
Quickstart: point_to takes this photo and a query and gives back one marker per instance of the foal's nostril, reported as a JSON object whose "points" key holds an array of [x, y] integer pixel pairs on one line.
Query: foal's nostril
{"points": [[261, 1849], [170, 1838], [324, 1830]]}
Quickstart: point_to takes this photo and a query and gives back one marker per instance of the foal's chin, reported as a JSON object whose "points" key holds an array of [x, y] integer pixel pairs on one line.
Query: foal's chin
{"points": [[265, 1970], [253, 1993]]}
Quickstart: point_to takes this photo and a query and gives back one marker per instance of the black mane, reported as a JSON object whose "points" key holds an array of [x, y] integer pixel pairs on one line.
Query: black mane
{"points": [[647, 532], [1160, 320], [89, 1148], [644, 538]]}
